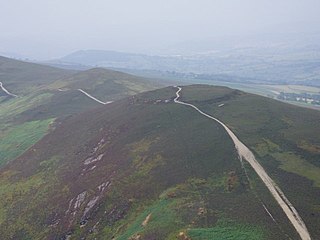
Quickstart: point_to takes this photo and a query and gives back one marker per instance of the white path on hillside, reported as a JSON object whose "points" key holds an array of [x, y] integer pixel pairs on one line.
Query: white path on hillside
{"points": [[6, 91], [245, 153], [62, 90], [93, 98]]}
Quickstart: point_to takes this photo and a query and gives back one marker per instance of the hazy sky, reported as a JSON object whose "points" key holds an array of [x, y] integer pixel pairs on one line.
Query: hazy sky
{"points": [[52, 28]]}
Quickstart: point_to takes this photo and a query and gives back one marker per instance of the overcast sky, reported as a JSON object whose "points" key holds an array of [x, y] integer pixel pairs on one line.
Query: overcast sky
{"points": [[53, 28]]}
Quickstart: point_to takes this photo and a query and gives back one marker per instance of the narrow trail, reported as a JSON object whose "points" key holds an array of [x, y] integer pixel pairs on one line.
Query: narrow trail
{"points": [[245, 153], [92, 97], [6, 91]]}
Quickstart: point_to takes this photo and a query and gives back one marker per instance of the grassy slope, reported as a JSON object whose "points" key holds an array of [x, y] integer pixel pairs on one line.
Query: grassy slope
{"points": [[40, 103], [19, 138], [23, 77], [285, 139], [26, 80], [107, 85], [162, 160]]}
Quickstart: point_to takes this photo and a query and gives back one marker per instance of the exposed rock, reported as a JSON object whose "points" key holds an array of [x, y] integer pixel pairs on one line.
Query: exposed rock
{"points": [[55, 223], [92, 159], [136, 237], [83, 223], [69, 207], [103, 186], [100, 143], [88, 160], [202, 211], [92, 168], [145, 222], [90, 205], [80, 199], [53, 220], [183, 236], [95, 149], [171, 195]]}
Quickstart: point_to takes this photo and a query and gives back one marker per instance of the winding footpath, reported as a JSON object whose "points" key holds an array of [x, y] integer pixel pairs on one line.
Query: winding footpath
{"points": [[245, 153], [92, 97], [60, 90], [6, 91]]}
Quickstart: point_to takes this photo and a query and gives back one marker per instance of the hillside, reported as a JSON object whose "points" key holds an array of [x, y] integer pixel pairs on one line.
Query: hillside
{"points": [[145, 167], [19, 76], [71, 95], [36, 103], [107, 83]]}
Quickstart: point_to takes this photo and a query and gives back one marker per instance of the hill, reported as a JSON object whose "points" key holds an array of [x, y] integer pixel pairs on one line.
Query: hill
{"points": [[103, 82], [85, 90], [19, 76], [145, 167], [36, 103]]}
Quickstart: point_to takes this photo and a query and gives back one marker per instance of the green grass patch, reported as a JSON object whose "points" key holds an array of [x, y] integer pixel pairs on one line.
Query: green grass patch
{"points": [[227, 230], [295, 164], [289, 161], [162, 220], [31, 190], [9, 192], [19, 138], [307, 146], [15, 106], [266, 147]]}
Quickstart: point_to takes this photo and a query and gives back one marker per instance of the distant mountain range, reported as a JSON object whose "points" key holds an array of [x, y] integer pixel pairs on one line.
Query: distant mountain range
{"points": [[276, 64]]}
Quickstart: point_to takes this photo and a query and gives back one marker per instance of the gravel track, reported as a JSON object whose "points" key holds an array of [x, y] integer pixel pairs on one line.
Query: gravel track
{"points": [[6, 91], [246, 154], [93, 98]]}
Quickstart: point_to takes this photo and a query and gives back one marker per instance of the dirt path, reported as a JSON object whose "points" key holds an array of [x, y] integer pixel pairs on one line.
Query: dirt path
{"points": [[245, 153], [6, 91], [93, 98]]}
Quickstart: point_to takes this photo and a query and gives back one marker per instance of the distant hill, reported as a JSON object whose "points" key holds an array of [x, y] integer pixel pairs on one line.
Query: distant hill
{"points": [[145, 167], [65, 65], [113, 59], [105, 85], [108, 83], [97, 57], [269, 65], [18, 76]]}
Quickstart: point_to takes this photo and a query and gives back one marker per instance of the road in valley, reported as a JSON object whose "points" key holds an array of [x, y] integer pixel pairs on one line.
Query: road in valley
{"points": [[245, 153], [6, 91]]}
